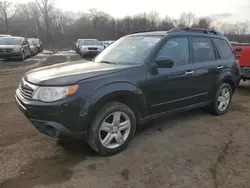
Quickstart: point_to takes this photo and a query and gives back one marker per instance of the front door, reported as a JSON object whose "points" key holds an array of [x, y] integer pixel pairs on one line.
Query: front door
{"points": [[171, 88]]}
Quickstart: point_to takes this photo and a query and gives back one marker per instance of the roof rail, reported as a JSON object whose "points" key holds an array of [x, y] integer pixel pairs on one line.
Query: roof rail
{"points": [[143, 31], [188, 29]]}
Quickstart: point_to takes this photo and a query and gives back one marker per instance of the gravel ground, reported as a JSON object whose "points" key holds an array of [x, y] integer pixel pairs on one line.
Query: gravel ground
{"points": [[192, 149]]}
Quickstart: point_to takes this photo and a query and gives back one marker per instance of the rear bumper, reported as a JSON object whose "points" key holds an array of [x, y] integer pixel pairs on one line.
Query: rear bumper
{"points": [[59, 119]]}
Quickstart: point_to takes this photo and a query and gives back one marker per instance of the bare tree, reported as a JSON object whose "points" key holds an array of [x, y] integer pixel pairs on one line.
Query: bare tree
{"points": [[186, 19], [46, 7], [59, 29], [204, 22], [32, 14], [7, 12]]}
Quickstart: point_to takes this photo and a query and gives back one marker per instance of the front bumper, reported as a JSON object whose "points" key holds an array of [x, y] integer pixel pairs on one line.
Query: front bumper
{"points": [[90, 52], [59, 119], [10, 55], [245, 72]]}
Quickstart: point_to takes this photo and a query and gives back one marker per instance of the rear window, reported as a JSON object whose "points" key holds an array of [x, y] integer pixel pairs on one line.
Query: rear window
{"points": [[202, 50], [224, 49]]}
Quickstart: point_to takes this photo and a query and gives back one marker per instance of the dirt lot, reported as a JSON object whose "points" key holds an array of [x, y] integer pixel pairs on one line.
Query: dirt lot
{"points": [[193, 149]]}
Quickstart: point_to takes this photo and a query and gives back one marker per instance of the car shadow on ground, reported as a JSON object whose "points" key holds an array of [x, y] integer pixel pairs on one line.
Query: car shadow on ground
{"points": [[168, 121], [53, 169]]}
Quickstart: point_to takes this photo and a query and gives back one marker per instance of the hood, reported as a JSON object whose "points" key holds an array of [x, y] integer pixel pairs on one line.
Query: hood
{"points": [[9, 46], [71, 72]]}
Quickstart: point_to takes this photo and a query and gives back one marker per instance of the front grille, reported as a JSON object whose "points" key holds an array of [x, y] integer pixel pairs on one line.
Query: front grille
{"points": [[26, 90], [6, 50], [92, 48]]}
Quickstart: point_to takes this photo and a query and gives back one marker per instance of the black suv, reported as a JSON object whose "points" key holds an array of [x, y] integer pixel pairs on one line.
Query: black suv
{"points": [[139, 77]]}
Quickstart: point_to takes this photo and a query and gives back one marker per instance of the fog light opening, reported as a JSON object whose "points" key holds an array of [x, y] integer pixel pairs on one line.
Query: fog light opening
{"points": [[52, 131]]}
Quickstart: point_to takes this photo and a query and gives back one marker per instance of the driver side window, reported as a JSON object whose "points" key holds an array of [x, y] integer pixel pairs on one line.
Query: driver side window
{"points": [[176, 49]]}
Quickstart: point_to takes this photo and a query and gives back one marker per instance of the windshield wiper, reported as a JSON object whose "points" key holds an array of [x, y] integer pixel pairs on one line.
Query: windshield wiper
{"points": [[108, 62]]}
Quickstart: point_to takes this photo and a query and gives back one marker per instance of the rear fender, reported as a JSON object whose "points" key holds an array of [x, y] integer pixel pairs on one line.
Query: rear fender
{"points": [[225, 76]]}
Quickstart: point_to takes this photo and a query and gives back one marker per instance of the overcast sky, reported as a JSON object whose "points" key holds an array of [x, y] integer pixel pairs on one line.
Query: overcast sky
{"points": [[228, 10]]}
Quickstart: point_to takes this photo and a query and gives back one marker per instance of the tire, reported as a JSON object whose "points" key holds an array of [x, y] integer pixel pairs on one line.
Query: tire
{"points": [[30, 54], [220, 98], [104, 140], [81, 54], [22, 56]]}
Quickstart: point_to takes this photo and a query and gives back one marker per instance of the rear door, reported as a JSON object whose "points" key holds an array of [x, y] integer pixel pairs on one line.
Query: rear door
{"points": [[227, 59], [207, 66]]}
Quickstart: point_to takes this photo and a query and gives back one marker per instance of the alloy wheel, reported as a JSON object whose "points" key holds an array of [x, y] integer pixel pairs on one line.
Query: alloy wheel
{"points": [[115, 130], [224, 99]]}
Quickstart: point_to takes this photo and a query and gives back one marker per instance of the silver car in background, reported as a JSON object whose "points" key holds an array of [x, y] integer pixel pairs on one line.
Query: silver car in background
{"points": [[90, 47], [14, 47], [38, 44], [33, 47]]}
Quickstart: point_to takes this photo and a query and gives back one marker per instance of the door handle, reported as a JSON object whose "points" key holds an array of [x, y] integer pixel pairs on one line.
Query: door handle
{"points": [[189, 72], [220, 67]]}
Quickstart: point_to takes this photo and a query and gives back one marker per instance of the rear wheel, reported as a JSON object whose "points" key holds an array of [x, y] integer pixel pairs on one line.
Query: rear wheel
{"points": [[112, 129], [222, 99]]}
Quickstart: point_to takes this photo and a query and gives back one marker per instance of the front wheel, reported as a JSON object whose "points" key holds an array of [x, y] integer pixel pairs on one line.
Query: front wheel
{"points": [[112, 129], [30, 54], [22, 56], [222, 99]]}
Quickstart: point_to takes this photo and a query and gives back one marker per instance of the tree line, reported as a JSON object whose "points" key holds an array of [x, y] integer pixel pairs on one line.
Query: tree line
{"points": [[60, 29]]}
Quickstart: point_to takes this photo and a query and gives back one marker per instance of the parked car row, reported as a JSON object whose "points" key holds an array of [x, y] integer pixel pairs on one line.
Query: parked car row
{"points": [[90, 47], [107, 43], [16, 47]]}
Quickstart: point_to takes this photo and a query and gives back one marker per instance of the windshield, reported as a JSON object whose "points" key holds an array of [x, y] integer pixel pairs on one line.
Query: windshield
{"points": [[30, 42], [10, 41], [128, 50], [91, 42], [34, 41]]}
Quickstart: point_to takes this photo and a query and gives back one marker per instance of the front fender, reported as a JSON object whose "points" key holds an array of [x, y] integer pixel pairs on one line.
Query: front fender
{"points": [[113, 90]]}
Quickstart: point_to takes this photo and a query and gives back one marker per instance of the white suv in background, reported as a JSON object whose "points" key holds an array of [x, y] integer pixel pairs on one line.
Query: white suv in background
{"points": [[90, 47]]}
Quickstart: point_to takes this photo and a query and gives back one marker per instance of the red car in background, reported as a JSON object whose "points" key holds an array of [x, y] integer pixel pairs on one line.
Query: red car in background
{"points": [[242, 51]]}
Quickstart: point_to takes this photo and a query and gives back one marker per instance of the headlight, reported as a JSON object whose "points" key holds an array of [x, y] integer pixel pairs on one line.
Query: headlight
{"points": [[50, 94], [84, 48], [17, 49], [100, 48]]}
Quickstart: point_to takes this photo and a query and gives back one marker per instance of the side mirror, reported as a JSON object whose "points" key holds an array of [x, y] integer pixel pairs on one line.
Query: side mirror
{"points": [[164, 62]]}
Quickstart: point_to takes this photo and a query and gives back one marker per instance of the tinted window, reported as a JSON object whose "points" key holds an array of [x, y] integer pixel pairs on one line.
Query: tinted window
{"points": [[223, 48], [203, 49], [176, 49]]}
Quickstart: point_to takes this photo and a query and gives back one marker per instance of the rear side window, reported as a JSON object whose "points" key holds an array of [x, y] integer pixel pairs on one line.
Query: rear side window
{"points": [[223, 48], [202, 50]]}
